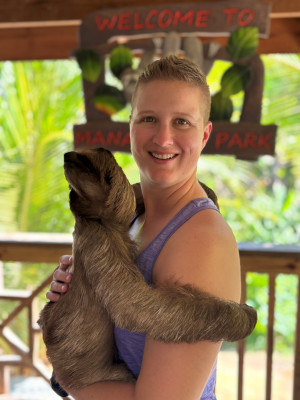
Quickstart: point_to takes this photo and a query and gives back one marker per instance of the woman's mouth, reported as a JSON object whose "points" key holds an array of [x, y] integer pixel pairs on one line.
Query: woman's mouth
{"points": [[164, 156]]}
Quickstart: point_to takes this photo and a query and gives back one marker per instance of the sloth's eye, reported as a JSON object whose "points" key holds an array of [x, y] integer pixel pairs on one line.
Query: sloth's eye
{"points": [[107, 179]]}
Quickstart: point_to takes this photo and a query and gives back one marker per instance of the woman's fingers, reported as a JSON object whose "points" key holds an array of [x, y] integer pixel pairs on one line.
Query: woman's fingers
{"points": [[58, 287], [65, 261], [62, 276], [54, 297], [61, 279]]}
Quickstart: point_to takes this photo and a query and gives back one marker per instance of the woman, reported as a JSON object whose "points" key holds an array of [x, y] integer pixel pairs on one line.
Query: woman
{"points": [[180, 238]]}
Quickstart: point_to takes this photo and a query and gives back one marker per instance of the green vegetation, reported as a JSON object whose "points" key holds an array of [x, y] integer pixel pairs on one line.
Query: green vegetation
{"points": [[39, 103]]}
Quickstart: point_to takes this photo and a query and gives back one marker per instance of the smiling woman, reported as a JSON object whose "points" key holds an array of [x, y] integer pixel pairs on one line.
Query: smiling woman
{"points": [[167, 131], [169, 121], [181, 236]]}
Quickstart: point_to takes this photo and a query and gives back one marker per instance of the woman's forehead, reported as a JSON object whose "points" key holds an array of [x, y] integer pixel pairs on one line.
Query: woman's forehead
{"points": [[157, 89]]}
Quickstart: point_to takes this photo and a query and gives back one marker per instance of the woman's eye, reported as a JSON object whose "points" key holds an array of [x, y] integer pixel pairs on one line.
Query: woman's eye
{"points": [[181, 121], [148, 119]]}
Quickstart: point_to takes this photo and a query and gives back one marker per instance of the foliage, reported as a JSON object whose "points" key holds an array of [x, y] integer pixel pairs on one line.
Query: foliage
{"points": [[90, 64], [121, 58], [109, 99], [35, 131], [242, 44], [259, 199]]}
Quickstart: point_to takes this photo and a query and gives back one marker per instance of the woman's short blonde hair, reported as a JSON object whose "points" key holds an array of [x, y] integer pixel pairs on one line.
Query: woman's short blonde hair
{"points": [[174, 68]]}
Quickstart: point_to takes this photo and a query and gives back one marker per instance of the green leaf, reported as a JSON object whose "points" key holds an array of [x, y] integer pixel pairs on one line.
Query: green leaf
{"points": [[235, 79], [120, 59], [221, 108], [90, 64], [243, 42], [109, 99]]}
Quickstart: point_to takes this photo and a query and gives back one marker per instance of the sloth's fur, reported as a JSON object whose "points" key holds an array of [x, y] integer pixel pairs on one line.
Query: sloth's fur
{"points": [[107, 288]]}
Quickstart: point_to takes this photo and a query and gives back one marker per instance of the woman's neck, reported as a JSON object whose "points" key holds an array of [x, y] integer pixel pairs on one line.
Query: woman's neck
{"points": [[165, 202]]}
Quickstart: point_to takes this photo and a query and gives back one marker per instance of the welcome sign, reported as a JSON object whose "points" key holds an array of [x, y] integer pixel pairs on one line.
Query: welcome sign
{"points": [[211, 18], [137, 27]]}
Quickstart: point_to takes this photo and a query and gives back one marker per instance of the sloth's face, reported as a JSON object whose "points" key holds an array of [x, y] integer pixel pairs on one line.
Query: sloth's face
{"points": [[99, 188]]}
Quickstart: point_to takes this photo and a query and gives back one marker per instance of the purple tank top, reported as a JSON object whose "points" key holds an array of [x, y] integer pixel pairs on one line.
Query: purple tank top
{"points": [[130, 345]]}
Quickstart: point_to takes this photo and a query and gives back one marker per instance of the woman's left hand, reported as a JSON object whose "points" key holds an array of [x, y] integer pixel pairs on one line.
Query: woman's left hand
{"points": [[61, 279]]}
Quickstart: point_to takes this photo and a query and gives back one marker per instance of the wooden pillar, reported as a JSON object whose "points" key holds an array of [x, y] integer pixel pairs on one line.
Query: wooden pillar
{"points": [[4, 379], [296, 394], [242, 343], [1, 275], [270, 335]]}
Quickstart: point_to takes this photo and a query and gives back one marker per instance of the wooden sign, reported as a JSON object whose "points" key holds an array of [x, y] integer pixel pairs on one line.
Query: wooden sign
{"points": [[113, 136], [211, 18], [245, 140], [138, 26]]}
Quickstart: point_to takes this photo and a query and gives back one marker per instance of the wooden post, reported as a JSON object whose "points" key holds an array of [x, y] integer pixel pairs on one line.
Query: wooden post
{"points": [[242, 343], [4, 379], [270, 335], [296, 394], [1, 275]]}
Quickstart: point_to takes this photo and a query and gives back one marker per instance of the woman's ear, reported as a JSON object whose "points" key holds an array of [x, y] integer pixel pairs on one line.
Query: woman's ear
{"points": [[206, 133]]}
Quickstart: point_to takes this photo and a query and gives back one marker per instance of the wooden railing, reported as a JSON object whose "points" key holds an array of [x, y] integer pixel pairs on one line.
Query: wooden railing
{"points": [[260, 258]]}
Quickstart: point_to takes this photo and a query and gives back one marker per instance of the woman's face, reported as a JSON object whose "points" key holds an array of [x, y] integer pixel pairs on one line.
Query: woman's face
{"points": [[167, 131]]}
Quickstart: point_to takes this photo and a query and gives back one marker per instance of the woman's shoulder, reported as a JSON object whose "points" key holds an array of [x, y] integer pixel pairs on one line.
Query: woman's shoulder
{"points": [[205, 228], [202, 252]]}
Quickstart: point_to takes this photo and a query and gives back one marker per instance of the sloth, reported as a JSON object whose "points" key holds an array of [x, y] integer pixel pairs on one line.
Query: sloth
{"points": [[107, 287]]}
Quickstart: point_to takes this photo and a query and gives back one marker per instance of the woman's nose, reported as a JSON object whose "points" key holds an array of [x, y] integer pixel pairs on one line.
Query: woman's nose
{"points": [[163, 135]]}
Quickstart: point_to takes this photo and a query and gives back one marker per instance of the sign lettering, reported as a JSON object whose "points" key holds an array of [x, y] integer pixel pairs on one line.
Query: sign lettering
{"points": [[219, 17], [168, 18], [247, 140]]}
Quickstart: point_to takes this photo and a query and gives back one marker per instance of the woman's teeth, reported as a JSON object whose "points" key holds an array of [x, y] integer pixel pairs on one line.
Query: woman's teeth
{"points": [[163, 156]]}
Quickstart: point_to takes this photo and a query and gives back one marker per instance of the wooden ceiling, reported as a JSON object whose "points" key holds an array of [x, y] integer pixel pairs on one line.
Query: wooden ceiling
{"points": [[48, 29]]}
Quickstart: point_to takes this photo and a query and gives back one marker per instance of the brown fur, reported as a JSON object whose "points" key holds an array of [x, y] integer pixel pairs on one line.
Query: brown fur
{"points": [[108, 288]]}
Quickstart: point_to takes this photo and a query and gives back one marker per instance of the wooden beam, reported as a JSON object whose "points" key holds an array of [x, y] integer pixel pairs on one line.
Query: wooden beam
{"points": [[58, 41], [38, 43], [284, 37], [285, 8], [49, 247], [32, 30], [16, 11]]}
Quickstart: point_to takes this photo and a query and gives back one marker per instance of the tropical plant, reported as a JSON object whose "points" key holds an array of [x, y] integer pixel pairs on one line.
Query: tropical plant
{"points": [[39, 102]]}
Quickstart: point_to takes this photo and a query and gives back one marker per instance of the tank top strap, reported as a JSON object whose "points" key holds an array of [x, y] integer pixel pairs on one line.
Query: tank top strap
{"points": [[146, 259]]}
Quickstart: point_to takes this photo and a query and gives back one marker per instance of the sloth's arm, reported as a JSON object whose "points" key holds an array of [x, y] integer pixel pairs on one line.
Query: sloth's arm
{"points": [[182, 311]]}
